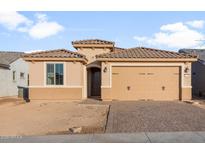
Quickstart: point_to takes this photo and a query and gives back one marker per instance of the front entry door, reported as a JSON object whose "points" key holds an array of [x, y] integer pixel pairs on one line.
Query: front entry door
{"points": [[95, 82]]}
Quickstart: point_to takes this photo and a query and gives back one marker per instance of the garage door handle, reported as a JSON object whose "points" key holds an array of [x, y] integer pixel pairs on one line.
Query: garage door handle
{"points": [[163, 87]]}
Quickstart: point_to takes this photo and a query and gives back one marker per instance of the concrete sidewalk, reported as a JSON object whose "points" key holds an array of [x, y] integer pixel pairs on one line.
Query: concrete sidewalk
{"points": [[148, 137]]}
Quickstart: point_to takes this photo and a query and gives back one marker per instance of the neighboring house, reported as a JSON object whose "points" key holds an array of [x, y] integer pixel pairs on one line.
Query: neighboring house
{"points": [[198, 71], [13, 73], [99, 69]]}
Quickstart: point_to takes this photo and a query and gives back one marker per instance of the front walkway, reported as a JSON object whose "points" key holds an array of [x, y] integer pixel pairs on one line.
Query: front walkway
{"points": [[162, 137]]}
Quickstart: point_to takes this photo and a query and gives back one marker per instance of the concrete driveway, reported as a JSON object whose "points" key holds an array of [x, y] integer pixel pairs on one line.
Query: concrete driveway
{"points": [[129, 117]]}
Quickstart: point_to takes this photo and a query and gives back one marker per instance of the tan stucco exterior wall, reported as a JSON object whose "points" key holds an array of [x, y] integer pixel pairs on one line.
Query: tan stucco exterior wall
{"points": [[73, 82], [105, 76], [55, 93], [36, 71], [185, 77], [90, 53], [74, 74], [186, 90], [106, 94], [186, 93]]}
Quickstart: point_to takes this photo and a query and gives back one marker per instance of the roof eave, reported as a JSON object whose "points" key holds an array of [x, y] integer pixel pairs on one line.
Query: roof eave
{"points": [[5, 66], [55, 59], [147, 59]]}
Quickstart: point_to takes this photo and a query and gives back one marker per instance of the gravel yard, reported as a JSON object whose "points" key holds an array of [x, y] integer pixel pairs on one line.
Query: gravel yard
{"points": [[154, 117], [41, 118]]}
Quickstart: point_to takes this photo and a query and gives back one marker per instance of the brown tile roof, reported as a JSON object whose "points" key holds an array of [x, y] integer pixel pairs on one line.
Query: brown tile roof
{"points": [[118, 49], [93, 41], [7, 57], [57, 53], [142, 52]]}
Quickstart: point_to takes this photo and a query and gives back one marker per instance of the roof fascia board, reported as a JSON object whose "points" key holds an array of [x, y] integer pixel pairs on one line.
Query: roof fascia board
{"points": [[4, 66], [148, 59], [55, 59]]}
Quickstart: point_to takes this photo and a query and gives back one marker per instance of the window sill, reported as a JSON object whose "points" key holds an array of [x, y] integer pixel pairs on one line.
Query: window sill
{"points": [[74, 86], [55, 86]]}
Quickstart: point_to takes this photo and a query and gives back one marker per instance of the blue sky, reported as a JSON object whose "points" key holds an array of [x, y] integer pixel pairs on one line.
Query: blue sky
{"points": [[25, 31]]}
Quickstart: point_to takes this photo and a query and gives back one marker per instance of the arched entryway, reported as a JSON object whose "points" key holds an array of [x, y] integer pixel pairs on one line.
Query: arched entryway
{"points": [[94, 82]]}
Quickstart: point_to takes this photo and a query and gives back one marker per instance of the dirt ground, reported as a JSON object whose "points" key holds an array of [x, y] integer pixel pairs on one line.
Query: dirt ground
{"points": [[41, 118], [11, 100]]}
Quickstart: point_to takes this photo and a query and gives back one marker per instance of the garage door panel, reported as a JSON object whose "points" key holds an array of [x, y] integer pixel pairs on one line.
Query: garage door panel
{"points": [[136, 83]]}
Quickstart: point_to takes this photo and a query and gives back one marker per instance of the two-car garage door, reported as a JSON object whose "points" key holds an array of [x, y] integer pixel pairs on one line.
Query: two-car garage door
{"points": [[145, 83]]}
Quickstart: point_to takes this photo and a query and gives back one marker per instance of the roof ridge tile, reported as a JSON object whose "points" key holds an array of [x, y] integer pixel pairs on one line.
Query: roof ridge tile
{"points": [[92, 41]]}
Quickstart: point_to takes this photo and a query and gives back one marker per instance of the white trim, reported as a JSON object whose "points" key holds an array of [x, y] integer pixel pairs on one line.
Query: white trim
{"points": [[56, 86], [64, 74], [44, 73], [105, 87], [182, 76], [187, 87], [110, 76], [85, 82], [146, 64]]}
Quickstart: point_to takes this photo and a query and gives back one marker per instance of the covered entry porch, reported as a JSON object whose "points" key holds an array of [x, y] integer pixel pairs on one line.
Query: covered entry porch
{"points": [[94, 81]]}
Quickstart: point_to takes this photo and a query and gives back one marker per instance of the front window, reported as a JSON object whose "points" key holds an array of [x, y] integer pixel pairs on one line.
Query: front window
{"points": [[55, 74]]}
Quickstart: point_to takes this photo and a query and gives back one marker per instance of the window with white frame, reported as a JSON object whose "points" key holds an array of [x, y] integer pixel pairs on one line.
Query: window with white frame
{"points": [[54, 74]]}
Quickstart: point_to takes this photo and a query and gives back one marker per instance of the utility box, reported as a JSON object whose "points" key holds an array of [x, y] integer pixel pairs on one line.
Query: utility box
{"points": [[23, 92]]}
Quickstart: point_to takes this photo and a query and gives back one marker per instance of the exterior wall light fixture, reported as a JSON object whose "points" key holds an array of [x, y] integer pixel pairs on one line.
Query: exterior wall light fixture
{"points": [[186, 70], [105, 69]]}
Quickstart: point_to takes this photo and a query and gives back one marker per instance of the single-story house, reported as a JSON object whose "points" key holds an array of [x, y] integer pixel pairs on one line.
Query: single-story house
{"points": [[13, 73], [198, 71], [99, 69]]}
